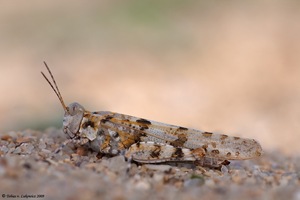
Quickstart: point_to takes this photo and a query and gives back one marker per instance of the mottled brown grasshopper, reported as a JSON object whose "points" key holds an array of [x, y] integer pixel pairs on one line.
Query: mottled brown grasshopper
{"points": [[146, 141]]}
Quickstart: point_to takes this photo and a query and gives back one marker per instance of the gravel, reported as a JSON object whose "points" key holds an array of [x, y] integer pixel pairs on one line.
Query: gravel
{"points": [[29, 167]]}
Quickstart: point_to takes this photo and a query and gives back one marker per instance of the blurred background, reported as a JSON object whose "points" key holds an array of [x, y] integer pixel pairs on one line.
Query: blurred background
{"points": [[228, 67]]}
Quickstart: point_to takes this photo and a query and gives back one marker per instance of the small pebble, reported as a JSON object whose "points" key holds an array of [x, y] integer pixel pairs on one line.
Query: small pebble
{"points": [[158, 167]]}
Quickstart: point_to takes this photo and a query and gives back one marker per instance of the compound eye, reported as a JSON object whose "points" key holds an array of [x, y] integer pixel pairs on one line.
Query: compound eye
{"points": [[74, 108]]}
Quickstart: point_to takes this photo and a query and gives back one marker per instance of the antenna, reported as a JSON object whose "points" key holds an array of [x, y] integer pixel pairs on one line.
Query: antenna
{"points": [[55, 90]]}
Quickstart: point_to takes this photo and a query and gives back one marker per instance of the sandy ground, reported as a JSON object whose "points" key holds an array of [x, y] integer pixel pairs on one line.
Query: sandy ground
{"points": [[29, 167], [228, 68]]}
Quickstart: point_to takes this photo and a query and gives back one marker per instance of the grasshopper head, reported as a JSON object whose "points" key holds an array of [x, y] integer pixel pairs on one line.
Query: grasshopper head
{"points": [[72, 119], [73, 112]]}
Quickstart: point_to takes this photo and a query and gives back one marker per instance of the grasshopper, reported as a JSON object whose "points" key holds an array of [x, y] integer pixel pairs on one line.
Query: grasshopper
{"points": [[147, 141]]}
